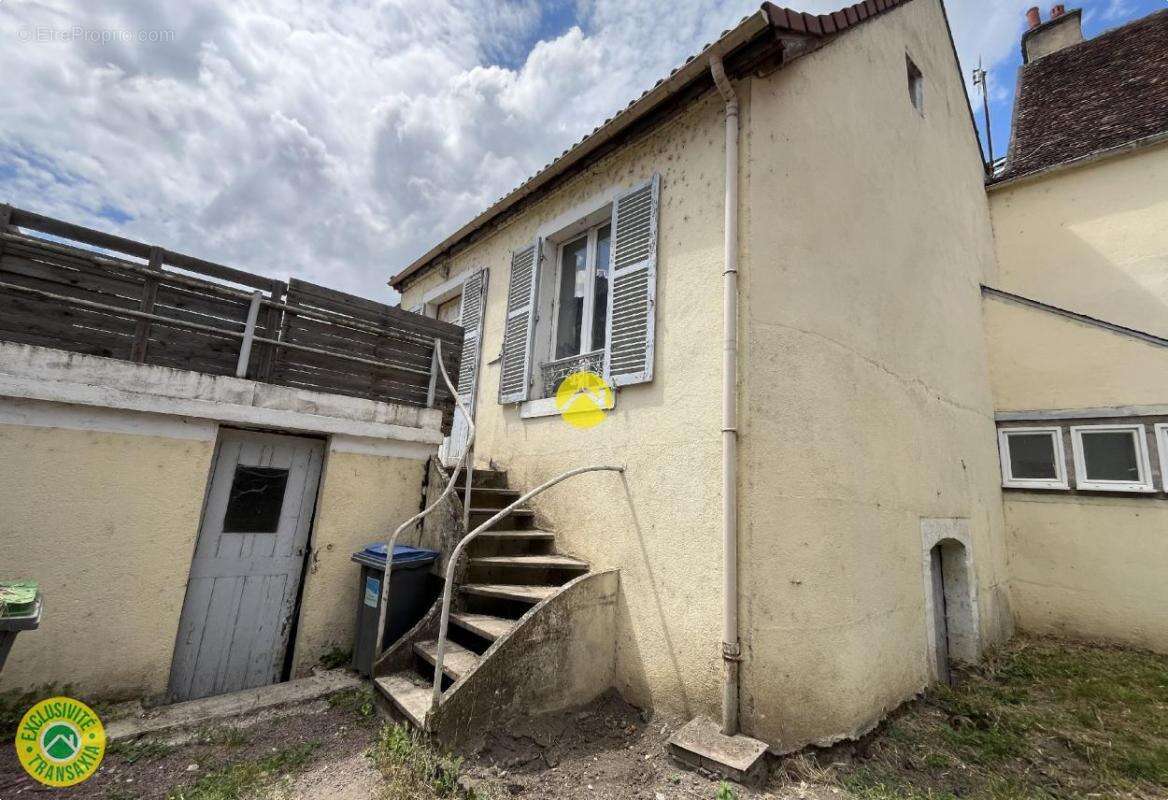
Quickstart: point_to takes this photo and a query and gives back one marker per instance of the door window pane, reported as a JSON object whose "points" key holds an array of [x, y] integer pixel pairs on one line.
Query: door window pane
{"points": [[600, 300], [1032, 456], [257, 496], [1111, 456], [573, 289]]}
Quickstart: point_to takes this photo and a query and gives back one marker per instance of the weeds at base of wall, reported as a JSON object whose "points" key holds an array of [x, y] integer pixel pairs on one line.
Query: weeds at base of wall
{"points": [[336, 657], [414, 770], [15, 704], [1040, 718]]}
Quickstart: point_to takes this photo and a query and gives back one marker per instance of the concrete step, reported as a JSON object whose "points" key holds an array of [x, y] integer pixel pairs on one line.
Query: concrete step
{"points": [[457, 660], [484, 625], [485, 478], [490, 512], [508, 591], [410, 694], [528, 536], [493, 498], [531, 562]]}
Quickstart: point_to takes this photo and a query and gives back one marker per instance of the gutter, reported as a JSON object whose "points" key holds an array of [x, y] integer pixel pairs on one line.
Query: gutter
{"points": [[731, 649]]}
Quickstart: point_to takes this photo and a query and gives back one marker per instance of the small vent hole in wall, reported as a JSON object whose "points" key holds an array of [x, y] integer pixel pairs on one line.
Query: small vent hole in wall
{"points": [[916, 86]]}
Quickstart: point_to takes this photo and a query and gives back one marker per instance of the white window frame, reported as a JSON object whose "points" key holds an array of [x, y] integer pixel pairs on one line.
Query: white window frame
{"points": [[592, 236], [1161, 431], [1008, 479], [1143, 462]]}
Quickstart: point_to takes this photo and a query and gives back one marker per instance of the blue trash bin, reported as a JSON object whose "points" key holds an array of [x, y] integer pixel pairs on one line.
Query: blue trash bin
{"points": [[412, 590]]}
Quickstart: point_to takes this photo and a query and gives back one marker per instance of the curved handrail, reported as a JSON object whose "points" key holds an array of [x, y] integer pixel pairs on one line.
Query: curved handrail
{"points": [[383, 602], [447, 590]]}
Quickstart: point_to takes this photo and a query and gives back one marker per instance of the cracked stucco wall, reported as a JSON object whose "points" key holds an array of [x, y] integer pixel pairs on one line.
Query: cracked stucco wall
{"points": [[866, 398]]}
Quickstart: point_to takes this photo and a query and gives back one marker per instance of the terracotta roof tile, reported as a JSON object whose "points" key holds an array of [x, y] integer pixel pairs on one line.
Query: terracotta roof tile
{"points": [[1093, 96]]}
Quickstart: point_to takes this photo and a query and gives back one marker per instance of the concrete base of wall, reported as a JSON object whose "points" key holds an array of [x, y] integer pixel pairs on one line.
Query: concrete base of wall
{"points": [[701, 745]]}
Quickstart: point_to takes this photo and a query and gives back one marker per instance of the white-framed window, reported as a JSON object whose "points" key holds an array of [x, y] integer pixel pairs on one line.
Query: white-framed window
{"points": [[1111, 458], [581, 294], [1032, 458]]}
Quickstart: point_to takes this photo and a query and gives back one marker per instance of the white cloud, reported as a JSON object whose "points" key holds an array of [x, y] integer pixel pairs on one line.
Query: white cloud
{"points": [[333, 141]]}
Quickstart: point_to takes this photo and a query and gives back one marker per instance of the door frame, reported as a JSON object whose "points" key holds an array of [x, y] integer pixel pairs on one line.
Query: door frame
{"points": [[309, 542], [961, 596]]}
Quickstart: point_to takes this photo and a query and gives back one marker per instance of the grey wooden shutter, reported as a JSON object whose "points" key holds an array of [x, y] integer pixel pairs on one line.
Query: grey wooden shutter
{"points": [[515, 366], [628, 358], [474, 300]]}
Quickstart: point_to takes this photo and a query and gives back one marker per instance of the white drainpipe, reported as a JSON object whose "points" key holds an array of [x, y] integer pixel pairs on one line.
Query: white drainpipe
{"points": [[730, 647]]}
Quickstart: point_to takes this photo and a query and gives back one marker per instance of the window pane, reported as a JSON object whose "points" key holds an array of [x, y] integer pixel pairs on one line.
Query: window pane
{"points": [[257, 495], [1032, 456], [600, 304], [570, 317], [1111, 456]]}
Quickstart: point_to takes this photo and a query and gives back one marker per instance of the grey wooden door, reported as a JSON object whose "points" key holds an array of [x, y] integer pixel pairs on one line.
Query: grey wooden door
{"points": [[246, 570]]}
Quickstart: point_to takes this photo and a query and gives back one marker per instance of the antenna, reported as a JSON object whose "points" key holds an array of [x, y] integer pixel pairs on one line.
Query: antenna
{"points": [[979, 79]]}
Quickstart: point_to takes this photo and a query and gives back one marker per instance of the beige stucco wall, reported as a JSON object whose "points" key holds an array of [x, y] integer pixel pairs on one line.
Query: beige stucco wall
{"points": [[106, 522], [362, 499], [103, 508], [865, 235], [1041, 361], [1090, 566], [1090, 239], [661, 524], [866, 397]]}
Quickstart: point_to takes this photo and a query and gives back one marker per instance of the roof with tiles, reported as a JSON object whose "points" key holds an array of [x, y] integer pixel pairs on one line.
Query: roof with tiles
{"points": [[781, 20], [1091, 97]]}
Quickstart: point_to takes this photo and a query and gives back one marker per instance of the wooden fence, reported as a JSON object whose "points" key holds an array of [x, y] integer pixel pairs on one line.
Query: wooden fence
{"points": [[141, 303]]}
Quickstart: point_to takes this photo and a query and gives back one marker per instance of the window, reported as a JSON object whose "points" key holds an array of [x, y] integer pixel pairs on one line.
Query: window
{"points": [[256, 499], [916, 86], [582, 293], [1111, 458], [1032, 458]]}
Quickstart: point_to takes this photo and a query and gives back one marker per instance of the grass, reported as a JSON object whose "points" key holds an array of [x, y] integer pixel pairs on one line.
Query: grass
{"points": [[244, 778], [414, 770], [359, 701], [1040, 719]]}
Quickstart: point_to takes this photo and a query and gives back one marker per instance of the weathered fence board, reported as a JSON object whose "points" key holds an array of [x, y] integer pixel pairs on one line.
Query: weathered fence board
{"points": [[65, 294]]}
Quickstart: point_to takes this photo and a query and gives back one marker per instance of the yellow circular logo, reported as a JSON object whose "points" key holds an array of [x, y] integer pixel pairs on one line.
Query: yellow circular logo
{"points": [[60, 741], [583, 398]]}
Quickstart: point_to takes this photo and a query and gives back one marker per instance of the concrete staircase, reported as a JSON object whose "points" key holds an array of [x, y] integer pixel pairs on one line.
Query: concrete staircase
{"points": [[512, 573]]}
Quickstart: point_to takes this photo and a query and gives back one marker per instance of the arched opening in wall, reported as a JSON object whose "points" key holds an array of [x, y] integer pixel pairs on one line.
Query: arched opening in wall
{"points": [[953, 629]]}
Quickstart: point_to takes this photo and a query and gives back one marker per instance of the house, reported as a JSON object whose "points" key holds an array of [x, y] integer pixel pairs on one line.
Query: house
{"points": [[777, 404], [1076, 330], [830, 166], [188, 465]]}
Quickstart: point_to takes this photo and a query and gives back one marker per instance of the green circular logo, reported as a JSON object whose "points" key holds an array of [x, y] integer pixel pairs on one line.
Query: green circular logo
{"points": [[60, 741]]}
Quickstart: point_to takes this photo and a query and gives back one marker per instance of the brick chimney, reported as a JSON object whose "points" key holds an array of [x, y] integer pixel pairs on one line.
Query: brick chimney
{"points": [[1063, 29]]}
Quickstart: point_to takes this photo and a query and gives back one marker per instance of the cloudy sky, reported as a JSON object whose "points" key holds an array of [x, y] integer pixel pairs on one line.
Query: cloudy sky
{"points": [[336, 141]]}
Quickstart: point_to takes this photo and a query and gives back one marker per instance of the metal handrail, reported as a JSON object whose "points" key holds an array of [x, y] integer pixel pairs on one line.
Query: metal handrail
{"points": [[447, 590], [383, 603]]}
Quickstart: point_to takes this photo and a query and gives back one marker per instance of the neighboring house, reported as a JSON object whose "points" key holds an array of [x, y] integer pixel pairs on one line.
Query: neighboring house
{"points": [[868, 515], [188, 466], [1077, 326]]}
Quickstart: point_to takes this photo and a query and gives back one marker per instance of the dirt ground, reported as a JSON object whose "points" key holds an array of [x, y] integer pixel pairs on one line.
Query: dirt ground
{"points": [[608, 751], [316, 749], [1040, 719]]}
